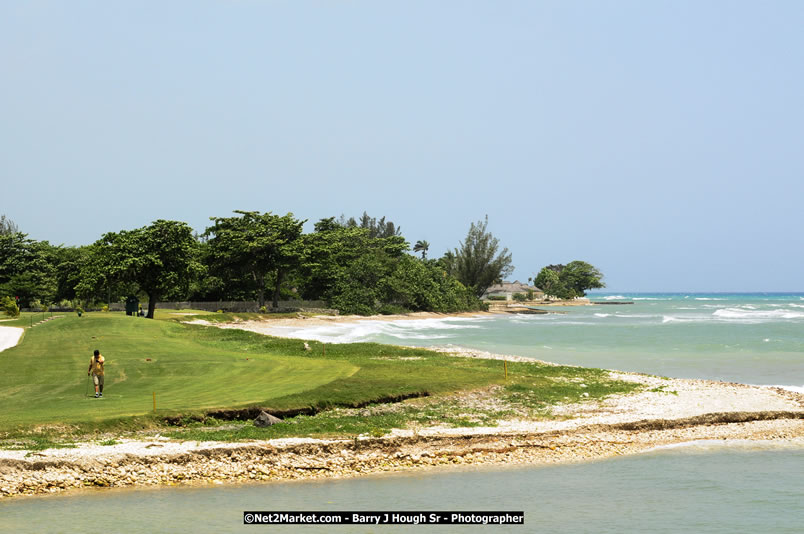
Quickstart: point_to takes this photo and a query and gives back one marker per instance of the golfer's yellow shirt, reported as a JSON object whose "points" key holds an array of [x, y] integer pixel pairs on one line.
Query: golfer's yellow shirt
{"points": [[97, 366]]}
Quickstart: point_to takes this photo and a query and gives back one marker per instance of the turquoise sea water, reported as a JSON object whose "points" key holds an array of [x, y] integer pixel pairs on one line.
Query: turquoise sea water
{"points": [[693, 489], [720, 488], [755, 338]]}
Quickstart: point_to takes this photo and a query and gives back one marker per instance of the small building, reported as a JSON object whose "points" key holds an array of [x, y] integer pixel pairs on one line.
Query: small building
{"points": [[132, 305], [507, 290]]}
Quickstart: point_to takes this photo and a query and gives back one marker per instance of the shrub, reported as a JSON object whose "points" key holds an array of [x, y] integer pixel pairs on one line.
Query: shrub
{"points": [[392, 309], [105, 308], [496, 297], [79, 310], [10, 307], [520, 297], [263, 309]]}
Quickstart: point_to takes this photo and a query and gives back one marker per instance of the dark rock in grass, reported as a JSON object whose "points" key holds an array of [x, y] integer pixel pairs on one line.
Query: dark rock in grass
{"points": [[266, 419]]}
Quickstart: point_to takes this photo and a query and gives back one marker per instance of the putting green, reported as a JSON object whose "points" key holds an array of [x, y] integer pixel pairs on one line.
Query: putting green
{"points": [[44, 378]]}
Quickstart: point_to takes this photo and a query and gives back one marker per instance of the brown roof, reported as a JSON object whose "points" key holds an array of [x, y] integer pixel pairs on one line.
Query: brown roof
{"points": [[512, 287]]}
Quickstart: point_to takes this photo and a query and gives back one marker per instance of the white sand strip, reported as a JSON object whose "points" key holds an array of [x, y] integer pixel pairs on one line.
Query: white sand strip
{"points": [[9, 336]]}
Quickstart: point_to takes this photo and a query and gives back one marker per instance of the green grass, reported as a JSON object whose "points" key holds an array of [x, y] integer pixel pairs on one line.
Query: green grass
{"points": [[25, 319], [195, 370], [44, 379]]}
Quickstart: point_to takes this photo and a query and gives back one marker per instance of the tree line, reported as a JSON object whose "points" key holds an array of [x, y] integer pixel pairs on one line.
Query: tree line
{"points": [[358, 265]]}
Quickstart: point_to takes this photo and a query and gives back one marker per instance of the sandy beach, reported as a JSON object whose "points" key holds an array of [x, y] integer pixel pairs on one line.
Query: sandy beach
{"points": [[10, 336], [665, 412]]}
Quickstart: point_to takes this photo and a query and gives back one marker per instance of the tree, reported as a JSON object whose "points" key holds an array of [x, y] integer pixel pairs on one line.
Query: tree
{"points": [[376, 228], [258, 245], [423, 247], [569, 281], [67, 262], [548, 281], [476, 263], [26, 268], [9, 307], [7, 226], [447, 262], [579, 276], [160, 259], [330, 252]]}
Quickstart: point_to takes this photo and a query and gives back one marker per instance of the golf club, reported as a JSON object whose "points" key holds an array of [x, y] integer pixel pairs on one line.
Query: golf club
{"points": [[86, 390]]}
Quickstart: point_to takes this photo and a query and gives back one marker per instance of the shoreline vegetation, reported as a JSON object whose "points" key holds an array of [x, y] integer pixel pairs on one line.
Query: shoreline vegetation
{"points": [[543, 414]]}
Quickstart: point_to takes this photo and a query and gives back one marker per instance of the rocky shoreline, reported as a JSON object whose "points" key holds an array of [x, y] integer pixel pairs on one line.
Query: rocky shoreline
{"points": [[315, 459], [695, 410]]}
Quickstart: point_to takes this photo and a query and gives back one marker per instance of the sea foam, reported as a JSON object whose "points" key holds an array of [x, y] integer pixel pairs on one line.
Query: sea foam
{"points": [[375, 330], [753, 314]]}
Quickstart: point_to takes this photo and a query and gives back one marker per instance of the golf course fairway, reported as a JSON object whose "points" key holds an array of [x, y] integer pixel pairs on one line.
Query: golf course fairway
{"points": [[43, 380]]}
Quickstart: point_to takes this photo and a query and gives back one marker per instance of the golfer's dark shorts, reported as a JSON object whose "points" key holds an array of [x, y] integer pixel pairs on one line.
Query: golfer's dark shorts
{"points": [[98, 379]]}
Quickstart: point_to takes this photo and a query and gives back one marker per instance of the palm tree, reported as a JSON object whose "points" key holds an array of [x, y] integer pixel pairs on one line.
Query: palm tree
{"points": [[422, 246]]}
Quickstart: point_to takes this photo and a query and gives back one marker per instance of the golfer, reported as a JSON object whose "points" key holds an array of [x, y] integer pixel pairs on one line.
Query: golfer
{"points": [[96, 370]]}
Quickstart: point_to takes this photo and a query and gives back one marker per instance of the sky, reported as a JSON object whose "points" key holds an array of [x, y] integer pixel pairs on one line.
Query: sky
{"points": [[660, 141]]}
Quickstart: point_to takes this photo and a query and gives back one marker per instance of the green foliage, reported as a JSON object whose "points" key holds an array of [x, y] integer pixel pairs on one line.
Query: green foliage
{"points": [[569, 281], [37, 305], [477, 264], [7, 226], [374, 227], [257, 245], [519, 297], [423, 247], [550, 283], [10, 307], [159, 260], [580, 276], [375, 282], [26, 268], [496, 297], [347, 267], [362, 289], [68, 262]]}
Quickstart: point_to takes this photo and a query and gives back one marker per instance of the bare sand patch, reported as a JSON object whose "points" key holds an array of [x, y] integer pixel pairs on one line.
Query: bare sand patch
{"points": [[10, 336]]}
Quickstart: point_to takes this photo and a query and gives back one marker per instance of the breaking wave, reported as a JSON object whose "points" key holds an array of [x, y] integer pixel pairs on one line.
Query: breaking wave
{"points": [[746, 313], [377, 330]]}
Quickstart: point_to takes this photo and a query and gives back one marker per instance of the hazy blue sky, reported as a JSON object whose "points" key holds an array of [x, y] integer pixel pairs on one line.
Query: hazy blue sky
{"points": [[661, 141]]}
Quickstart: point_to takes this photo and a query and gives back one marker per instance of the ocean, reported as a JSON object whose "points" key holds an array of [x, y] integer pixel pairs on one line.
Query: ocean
{"points": [[752, 338], [718, 487]]}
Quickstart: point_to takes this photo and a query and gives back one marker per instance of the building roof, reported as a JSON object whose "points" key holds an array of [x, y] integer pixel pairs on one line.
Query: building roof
{"points": [[511, 287]]}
